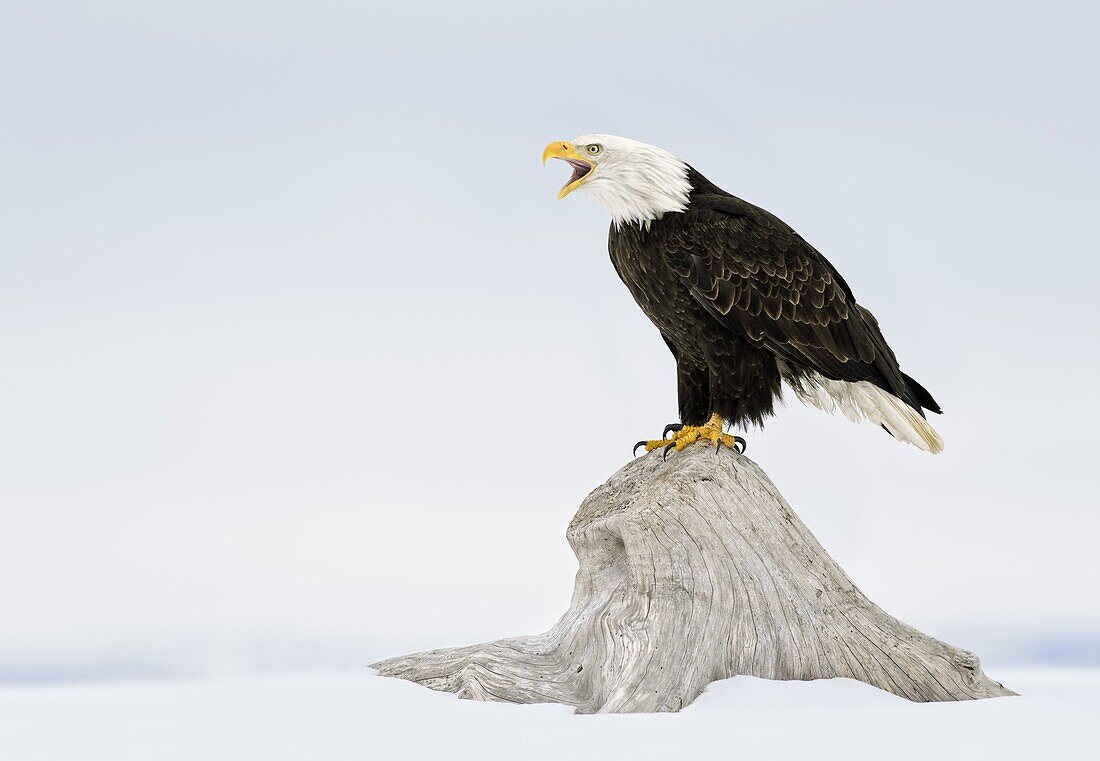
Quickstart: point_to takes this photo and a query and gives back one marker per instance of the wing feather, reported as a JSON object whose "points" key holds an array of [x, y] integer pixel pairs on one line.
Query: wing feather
{"points": [[759, 278]]}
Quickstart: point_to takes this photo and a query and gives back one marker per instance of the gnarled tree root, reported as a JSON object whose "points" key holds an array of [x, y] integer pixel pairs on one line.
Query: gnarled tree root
{"points": [[694, 569]]}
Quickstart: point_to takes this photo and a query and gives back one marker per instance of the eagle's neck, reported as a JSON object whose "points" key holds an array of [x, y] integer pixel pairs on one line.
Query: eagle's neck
{"points": [[644, 188]]}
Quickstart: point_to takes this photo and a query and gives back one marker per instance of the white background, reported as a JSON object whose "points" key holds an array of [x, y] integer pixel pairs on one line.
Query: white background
{"points": [[304, 366]]}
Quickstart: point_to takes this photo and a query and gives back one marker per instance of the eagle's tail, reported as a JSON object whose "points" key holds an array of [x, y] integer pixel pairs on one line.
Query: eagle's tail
{"points": [[902, 421], [866, 401]]}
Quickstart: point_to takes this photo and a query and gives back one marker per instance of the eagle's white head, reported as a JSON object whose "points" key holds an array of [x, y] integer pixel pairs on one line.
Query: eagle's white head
{"points": [[636, 182]]}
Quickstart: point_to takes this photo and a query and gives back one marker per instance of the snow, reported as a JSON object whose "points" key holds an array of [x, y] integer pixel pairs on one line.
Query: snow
{"points": [[357, 715]]}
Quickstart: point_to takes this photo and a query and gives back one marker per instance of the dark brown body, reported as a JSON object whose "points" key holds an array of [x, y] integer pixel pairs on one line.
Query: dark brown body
{"points": [[716, 369], [744, 302]]}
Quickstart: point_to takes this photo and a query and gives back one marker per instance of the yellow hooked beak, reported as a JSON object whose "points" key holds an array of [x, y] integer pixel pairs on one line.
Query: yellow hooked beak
{"points": [[567, 152]]}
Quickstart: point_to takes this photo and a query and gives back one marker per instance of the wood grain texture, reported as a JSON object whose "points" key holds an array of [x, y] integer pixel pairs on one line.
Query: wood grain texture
{"points": [[695, 569]]}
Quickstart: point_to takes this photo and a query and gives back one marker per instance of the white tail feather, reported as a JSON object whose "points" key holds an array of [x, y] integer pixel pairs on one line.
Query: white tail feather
{"points": [[866, 401]]}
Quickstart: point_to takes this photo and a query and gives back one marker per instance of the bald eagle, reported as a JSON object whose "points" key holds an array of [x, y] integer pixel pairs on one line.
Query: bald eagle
{"points": [[741, 300]]}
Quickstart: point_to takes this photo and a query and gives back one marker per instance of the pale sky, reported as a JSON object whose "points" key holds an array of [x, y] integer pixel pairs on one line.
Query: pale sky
{"points": [[305, 365]]}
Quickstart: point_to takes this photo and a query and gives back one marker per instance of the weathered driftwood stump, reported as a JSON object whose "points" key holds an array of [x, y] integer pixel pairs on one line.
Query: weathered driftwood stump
{"points": [[691, 570]]}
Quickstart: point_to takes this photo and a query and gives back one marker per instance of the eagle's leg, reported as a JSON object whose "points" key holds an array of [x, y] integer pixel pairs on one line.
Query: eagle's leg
{"points": [[678, 437]]}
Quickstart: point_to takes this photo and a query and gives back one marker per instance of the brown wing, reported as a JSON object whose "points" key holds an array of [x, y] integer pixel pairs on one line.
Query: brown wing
{"points": [[758, 277]]}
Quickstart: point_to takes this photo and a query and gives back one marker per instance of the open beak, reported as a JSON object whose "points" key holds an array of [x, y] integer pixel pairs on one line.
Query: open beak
{"points": [[567, 152]]}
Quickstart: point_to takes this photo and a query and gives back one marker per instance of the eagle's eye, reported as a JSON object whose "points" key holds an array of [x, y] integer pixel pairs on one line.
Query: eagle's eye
{"points": [[594, 149]]}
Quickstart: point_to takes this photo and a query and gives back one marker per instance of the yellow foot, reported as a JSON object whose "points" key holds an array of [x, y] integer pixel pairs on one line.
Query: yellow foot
{"points": [[678, 437]]}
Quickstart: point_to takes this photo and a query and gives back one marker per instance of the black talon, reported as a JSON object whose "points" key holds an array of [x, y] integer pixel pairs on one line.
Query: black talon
{"points": [[634, 451], [744, 444], [670, 446], [671, 427]]}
